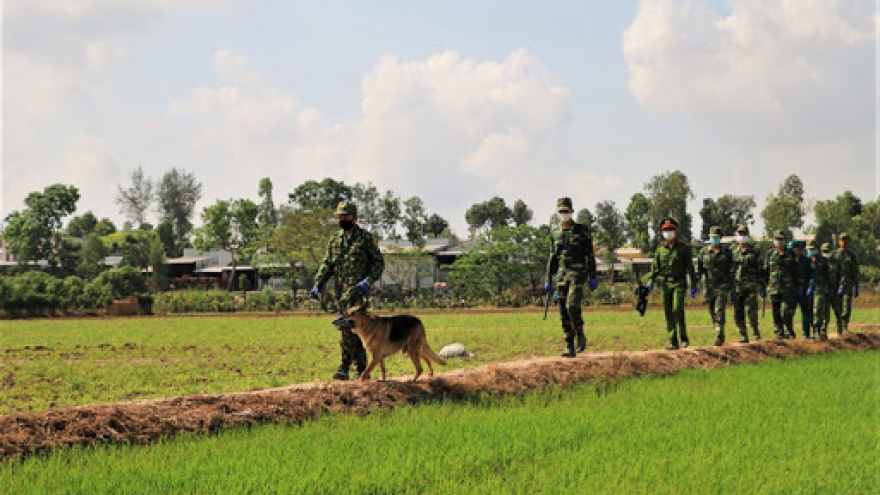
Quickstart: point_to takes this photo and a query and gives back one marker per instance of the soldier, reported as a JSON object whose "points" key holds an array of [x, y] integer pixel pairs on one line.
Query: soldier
{"points": [[783, 284], [354, 260], [802, 300], [572, 262], [847, 267], [748, 282], [673, 269], [820, 288], [715, 265]]}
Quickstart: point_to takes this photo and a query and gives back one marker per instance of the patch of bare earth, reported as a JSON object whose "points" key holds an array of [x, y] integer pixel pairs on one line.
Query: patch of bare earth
{"points": [[146, 421]]}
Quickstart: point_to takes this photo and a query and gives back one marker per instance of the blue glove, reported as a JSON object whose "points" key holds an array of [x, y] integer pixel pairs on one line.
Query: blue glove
{"points": [[810, 292], [315, 292], [693, 291], [733, 296], [363, 286], [548, 287], [650, 286], [594, 283], [763, 292], [840, 291], [856, 292]]}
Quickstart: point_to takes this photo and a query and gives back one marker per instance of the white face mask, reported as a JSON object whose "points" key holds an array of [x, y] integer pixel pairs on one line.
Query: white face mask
{"points": [[742, 239], [826, 255], [564, 217], [779, 243], [669, 235]]}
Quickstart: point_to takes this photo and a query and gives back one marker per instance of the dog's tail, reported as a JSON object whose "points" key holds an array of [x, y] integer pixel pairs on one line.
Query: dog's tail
{"points": [[429, 354]]}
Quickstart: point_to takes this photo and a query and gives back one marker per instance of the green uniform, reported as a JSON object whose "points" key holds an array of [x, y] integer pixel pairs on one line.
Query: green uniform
{"points": [[715, 267], [748, 280], [802, 300], [821, 286], [783, 284], [672, 270], [847, 268], [572, 263], [349, 260]]}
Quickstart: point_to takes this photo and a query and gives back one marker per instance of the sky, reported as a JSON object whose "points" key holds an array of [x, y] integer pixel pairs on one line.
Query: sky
{"points": [[454, 102]]}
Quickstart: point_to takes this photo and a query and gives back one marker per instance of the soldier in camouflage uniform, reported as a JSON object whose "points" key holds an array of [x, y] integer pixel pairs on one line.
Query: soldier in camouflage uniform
{"points": [[847, 267], [783, 284], [354, 260], [820, 288], [748, 282], [673, 270], [715, 266], [802, 300], [572, 263]]}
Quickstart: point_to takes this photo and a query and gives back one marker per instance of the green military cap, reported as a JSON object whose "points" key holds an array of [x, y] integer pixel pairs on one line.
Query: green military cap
{"points": [[742, 229], [844, 235], [778, 234], [811, 244], [826, 247], [668, 223], [715, 232], [346, 208], [564, 204]]}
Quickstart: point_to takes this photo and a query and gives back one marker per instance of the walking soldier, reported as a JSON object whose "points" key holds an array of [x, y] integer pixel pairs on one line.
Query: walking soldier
{"points": [[748, 282], [715, 266]]}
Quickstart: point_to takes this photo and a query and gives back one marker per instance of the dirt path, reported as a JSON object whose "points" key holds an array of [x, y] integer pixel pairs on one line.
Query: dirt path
{"points": [[146, 421]]}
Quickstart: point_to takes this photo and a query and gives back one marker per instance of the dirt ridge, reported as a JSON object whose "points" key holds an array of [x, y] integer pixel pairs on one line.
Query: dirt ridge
{"points": [[142, 422]]}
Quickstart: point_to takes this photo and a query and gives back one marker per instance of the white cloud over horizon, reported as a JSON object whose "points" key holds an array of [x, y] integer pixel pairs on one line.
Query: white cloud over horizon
{"points": [[769, 87]]}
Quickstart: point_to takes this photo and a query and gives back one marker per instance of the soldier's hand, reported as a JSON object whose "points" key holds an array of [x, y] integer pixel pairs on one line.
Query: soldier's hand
{"points": [[594, 283], [810, 292], [548, 287], [693, 291], [733, 296], [840, 291], [314, 293], [763, 292], [856, 292], [650, 286], [363, 286]]}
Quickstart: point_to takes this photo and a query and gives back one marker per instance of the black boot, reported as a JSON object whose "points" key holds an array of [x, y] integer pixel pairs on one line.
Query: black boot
{"points": [[582, 341], [341, 373], [570, 351]]}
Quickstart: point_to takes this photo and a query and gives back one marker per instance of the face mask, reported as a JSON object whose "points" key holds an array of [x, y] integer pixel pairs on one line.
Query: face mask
{"points": [[346, 225], [564, 217], [811, 252], [778, 243], [742, 239], [715, 241], [669, 235], [826, 255]]}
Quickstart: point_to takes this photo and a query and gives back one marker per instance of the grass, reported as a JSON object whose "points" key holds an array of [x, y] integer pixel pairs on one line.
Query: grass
{"points": [[805, 426], [53, 363]]}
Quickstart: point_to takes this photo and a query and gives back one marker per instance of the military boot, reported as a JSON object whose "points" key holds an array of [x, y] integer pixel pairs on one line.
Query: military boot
{"points": [[570, 351], [756, 335], [361, 366], [341, 373], [581, 341]]}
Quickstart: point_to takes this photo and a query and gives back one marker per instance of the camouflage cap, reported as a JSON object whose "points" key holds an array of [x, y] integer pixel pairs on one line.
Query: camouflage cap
{"points": [[778, 234], [668, 223], [742, 229], [564, 204], [715, 232], [346, 208], [811, 244], [844, 236], [826, 247]]}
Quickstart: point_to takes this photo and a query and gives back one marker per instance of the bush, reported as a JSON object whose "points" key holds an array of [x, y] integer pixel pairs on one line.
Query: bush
{"points": [[194, 301], [114, 284]]}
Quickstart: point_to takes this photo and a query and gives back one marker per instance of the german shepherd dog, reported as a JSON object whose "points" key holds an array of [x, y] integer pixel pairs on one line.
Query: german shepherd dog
{"points": [[384, 335]]}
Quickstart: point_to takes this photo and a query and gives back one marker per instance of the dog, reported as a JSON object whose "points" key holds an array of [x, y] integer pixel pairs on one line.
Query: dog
{"points": [[384, 335]]}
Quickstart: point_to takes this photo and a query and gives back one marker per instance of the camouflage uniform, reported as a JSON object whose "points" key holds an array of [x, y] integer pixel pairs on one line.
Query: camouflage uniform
{"points": [[715, 265], [802, 300], [673, 269], [783, 284], [572, 262], [821, 287], [748, 281], [350, 259], [847, 275]]}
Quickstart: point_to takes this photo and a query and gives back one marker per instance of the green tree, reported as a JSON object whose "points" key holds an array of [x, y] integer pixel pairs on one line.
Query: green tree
{"points": [[389, 214], [324, 195], [367, 199], [638, 222], [610, 232], [436, 225], [230, 226], [177, 195], [414, 220], [785, 209], [585, 217], [300, 243], [834, 216], [35, 232], [727, 212], [104, 227], [165, 231], [93, 253], [268, 216], [667, 196], [82, 225], [134, 201], [484, 218], [522, 214]]}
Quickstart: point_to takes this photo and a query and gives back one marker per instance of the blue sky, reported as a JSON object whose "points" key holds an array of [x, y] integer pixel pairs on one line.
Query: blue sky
{"points": [[454, 102]]}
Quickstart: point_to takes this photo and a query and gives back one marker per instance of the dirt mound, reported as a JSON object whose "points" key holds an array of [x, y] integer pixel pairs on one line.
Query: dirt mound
{"points": [[146, 421]]}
